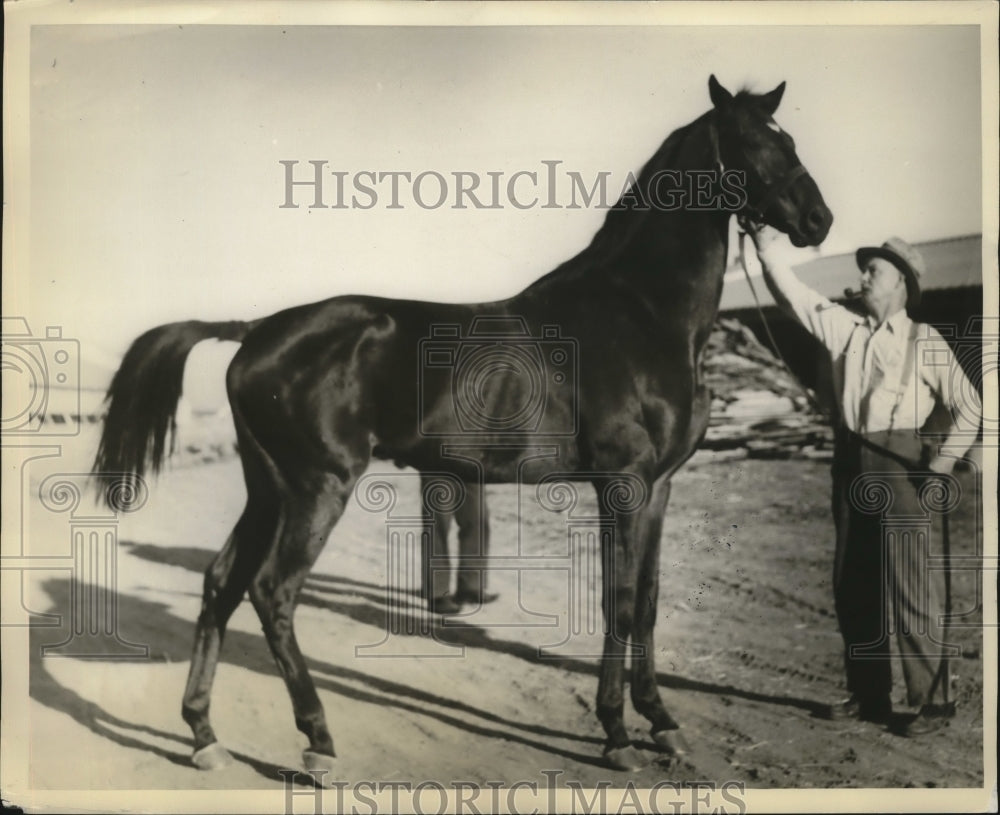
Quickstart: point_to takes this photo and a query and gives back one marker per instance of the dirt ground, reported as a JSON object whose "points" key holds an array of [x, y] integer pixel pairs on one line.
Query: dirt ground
{"points": [[747, 651]]}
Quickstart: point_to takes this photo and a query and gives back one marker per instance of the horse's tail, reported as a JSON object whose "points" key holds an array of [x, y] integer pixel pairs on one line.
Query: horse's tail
{"points": [[144, 393]]}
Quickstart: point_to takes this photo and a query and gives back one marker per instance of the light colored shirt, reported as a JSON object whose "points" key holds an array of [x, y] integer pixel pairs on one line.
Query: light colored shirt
{"points": [[869, 361]]}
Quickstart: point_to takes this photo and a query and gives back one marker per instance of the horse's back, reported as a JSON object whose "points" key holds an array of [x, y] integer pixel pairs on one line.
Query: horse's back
{"points": [[341, 372], [332, 379]]}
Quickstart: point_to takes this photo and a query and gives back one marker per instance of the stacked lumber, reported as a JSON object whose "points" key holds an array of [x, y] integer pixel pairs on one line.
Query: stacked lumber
{"points": [[758, 408]]}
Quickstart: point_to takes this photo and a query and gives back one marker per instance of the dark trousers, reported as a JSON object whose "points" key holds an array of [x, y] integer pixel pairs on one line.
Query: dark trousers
{"points": [[882, 584], [473, 522]]}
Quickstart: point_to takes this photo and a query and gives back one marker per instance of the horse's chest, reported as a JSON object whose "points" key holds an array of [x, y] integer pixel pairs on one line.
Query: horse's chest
{"points": [[672, 417]]}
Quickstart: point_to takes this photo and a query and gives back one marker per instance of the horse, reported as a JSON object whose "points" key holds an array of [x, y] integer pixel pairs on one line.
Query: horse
{"points": [[317, 390], [467, 507]]}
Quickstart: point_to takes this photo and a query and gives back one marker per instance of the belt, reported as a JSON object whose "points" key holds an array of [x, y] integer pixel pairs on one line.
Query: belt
{"points": [[903, 445]]}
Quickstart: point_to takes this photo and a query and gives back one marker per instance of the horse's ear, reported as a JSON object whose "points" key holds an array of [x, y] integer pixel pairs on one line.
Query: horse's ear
{"points": [[720, 96], [770, 101]]}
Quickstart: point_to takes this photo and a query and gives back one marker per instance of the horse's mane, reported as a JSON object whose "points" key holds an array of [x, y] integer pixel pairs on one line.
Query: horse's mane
{"points": [[622, 220]]}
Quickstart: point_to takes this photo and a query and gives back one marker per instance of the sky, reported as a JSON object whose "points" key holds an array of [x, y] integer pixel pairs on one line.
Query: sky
{"points": [[156, 184]]}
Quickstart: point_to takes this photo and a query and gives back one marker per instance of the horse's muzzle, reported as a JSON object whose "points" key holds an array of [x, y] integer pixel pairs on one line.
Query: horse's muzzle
{"points": [[813, 227]]}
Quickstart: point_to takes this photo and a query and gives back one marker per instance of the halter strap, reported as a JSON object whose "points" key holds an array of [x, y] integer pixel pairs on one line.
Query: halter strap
{"points": [[772, 191]]}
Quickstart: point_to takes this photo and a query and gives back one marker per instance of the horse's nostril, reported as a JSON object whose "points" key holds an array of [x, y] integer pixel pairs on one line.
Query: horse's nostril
{"points": [[816, 218]]}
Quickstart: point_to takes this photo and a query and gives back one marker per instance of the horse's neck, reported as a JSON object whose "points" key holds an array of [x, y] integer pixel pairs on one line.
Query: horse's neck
{"points": [[675, 258], [672, 260], [675, 263], [677, 254]]}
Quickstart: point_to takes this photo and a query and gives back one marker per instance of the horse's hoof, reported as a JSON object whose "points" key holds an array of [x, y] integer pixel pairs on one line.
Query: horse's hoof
{"points": [[624, 758], [213, 757], [320, 767], [671, 741]]}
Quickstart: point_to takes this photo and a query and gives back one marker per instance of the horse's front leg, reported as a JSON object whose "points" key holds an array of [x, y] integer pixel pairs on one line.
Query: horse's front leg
{"points": [[645, 691], [619, 555]]}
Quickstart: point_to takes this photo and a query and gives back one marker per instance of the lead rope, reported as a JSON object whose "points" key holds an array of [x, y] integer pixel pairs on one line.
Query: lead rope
{"points": [[742, 257]]}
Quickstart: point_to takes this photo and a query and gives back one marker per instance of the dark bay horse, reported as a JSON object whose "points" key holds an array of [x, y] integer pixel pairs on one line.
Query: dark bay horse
{"points": [[616, 335]]}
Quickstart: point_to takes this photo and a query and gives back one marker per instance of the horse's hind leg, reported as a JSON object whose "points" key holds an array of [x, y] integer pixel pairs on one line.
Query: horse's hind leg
{"points": [[309, 513], [645, 692], [226, 581]]}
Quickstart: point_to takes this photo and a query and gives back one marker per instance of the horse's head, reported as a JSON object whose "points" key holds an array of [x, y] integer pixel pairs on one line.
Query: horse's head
{"points": [[779, 190]]}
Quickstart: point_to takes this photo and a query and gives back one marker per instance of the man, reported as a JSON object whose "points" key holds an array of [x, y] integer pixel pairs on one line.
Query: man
{"points": [[884, 396], [473, 549]]}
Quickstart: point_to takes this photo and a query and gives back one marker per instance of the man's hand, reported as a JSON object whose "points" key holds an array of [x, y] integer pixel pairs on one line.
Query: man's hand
{"points": [[765, 239], [935, 484], [942, 465]]}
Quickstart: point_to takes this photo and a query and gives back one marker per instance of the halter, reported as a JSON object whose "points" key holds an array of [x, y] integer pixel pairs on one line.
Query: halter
{"points": [[772, 191], [755, 214]]}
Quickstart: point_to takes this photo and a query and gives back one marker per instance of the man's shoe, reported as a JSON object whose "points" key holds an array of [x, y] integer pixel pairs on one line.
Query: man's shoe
{"points": [[930, 719], [876, 709], [476, 598], [445, 604], [844, 709]]}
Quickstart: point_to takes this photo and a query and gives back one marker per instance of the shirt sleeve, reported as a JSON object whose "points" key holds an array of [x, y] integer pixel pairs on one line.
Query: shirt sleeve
{"points": [[944, 375], [830, 323]]}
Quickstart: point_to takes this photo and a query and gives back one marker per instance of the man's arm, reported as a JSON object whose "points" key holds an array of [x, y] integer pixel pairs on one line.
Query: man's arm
{"points": [[830, 323], [781, 280], [952, 387]]}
